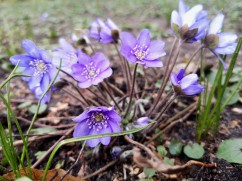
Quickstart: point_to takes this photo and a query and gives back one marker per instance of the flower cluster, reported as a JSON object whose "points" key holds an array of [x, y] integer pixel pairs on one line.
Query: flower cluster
{"points": [[37, 63], [90, 69], [98, 120]]}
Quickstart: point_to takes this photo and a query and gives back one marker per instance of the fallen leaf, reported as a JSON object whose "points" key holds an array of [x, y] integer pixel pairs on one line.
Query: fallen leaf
{"points": [[53, 175]]}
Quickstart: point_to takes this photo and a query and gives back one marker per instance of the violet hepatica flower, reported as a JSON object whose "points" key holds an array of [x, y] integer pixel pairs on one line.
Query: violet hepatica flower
{"points": [[67, 53], [37, 63], [98, 120], [107, 32], [142, 50], [91, 70], [190, 24], [185, 85], [143, 121], [220, 42]]}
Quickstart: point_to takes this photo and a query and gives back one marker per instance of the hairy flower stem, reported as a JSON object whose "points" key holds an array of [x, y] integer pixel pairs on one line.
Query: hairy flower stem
{"points": [[169, 58], [193, 55], [79, 92], [166, 78], [158, 117], [124, 67], [79, 156], [132, 91], [102, 100], [111, 96]]}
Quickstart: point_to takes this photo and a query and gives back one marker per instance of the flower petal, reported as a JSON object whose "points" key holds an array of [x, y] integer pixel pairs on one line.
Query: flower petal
{"points": [[93, 142], [84, 58], [106, 73], [106, 140], [30, 47], [128, 40], [227, 50], [81, 117], [111, 24], [115, 126], [84, 84], [126, 52], [226, 39], [81, 129], [180, 74], [173, 78], [188, 80], [176, 19], [144, 38], [193, 89], [182, 7], [216, 24], [23, 60], [152, 63], [190, 16], [156, 50], [65, 45]]}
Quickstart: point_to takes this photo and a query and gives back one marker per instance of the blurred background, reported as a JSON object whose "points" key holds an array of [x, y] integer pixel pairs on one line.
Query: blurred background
{"points": [[44, 21]]}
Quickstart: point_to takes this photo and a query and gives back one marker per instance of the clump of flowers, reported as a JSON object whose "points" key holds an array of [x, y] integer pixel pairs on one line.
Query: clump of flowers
{"points": [[107, 32], [189, 24], [98, 120], [142, 50], [91, 70], [185, 85], [37, 63]]}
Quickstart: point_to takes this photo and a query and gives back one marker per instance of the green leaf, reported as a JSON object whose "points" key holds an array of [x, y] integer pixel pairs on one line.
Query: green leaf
{"points": [[34, 108], [39, 154], [168, 161], [228, 92], [25, 104], [162, 150], [231, 150], [194, 151], [149, 172], [175, 147], [43, 130]]}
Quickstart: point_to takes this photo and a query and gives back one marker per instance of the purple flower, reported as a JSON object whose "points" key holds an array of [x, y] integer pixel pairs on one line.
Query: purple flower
{"points": [[142, 50], [187, 85], [104, 32], [220, 43], [91, 71], [36, 63], [190, 24], [143, 121], [67, 53], [98, 120]]}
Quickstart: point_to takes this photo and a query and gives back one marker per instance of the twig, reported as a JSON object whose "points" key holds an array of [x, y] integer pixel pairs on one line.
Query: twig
{"points": [[102, 100], [100, 170], [170, 124]]}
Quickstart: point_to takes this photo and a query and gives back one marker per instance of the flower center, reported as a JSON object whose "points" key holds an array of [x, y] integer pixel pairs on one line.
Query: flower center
{"points": [[90, 71], [40, 68], [98, 121], [140, 52]]}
